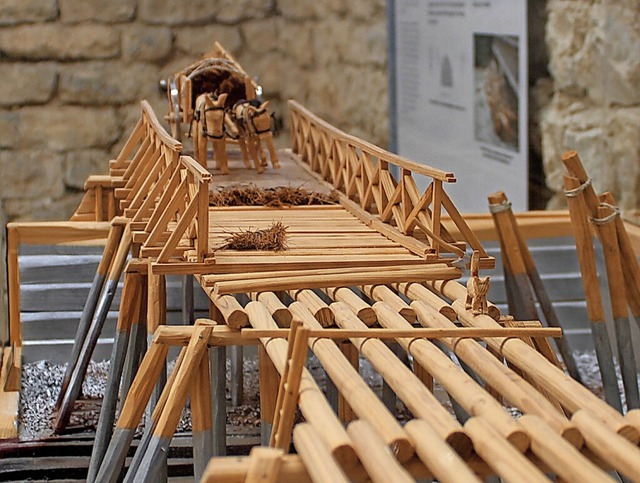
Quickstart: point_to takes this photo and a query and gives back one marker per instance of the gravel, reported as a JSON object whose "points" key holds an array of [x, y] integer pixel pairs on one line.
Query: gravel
{"points": [[41, 383]]}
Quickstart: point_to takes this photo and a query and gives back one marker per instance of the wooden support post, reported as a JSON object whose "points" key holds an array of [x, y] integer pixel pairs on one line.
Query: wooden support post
{"points": [[13, 285], [130, 306], [218, 371], [237, 375], [97, 322], [516, 254], [137, 344], [188, 316], [269, 381], [131, 413], [578, 211], [617, 294], [153, 461], [345, 412], [113, 240], [201, 418]]}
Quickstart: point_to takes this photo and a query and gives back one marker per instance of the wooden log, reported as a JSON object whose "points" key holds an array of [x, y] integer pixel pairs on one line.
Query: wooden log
{"points": [[356, 277], [315, 304], [416, 397], [276, 308], [511, 386], [383, 293], [473, 398], [231, 311], [169, 416], [348, 296], [354, 389], [317, 460], [517, 255], [417, 291], [312, 403], [127, 313], [89, 308], [374, 456], [618, 451], [131, 413], [443, 462], [264, 465], [561, 456], [269, 382], [201, 417], [97, 322], [618, 297], [595, 310], [503, 458], [571, 394]]}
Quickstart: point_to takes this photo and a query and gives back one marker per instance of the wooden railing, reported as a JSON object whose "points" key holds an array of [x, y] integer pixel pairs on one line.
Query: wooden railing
{"points": [[179, 220], [145, 154], [361, 173]]}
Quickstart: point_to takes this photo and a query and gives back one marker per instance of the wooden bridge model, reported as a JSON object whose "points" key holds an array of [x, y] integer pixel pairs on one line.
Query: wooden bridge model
{"points": [[379, 267]]}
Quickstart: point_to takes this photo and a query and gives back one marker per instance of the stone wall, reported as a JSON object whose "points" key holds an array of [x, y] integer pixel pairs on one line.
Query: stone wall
{"points": [[594, 50], [74, 71]]}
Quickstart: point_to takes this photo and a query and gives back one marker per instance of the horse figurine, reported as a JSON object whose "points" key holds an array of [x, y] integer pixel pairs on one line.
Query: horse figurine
{"points": [[254, 124], [210, 123], [477, 288]]}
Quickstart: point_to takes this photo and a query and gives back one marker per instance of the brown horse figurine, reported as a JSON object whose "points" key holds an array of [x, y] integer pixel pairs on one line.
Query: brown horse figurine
{"points": [[209, 119]]}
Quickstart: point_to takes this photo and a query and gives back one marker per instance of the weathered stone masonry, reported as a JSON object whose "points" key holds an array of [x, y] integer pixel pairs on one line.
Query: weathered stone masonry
{"points": [[73, 73]]}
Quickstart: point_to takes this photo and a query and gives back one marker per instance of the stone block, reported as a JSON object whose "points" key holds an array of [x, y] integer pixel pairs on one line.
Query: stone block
{"points": [[296, 10], [25, 11], [9, 134], [571, 123], [261, 35], [199, 40], [297, 42], [78, 165], [30, 174], [43, 208], [143, 43], [235, 11], [99, 10], [624, 147], [105, 83], [62, 128], [178, 12], [54, 41], [27, 83]]}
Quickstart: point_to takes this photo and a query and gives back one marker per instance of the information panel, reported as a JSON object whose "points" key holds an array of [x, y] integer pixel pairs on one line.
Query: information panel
{"points": [[461, 94]]}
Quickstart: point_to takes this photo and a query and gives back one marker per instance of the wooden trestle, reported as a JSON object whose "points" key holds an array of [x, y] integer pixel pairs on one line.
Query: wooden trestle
{"points": [[379, 268]]}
